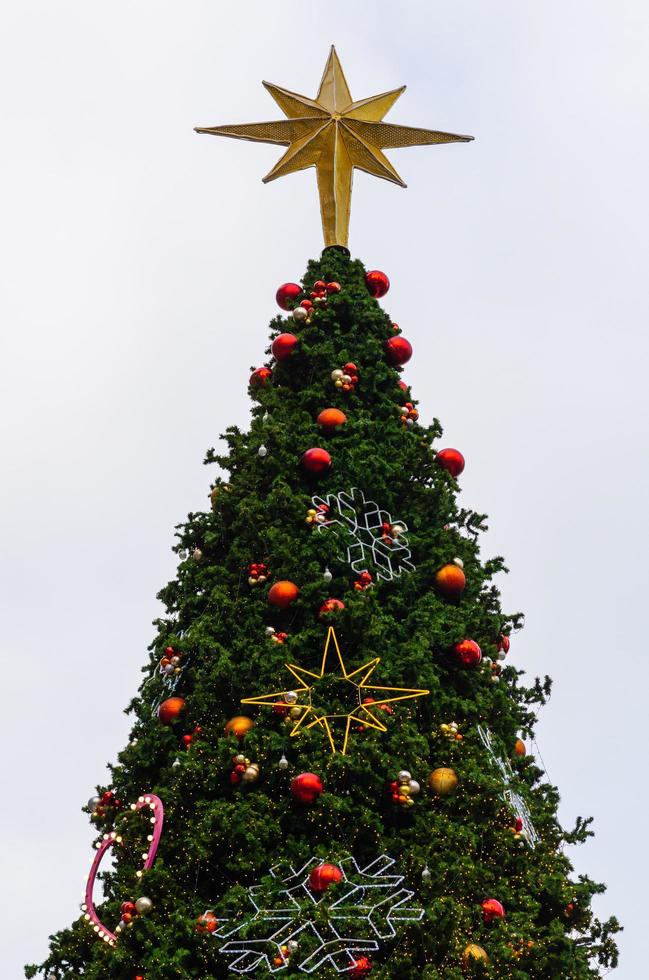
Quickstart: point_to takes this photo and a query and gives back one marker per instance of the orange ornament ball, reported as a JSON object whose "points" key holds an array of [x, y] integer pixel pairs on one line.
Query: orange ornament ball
{"points": [[450, 581], [519, 748], [330, 418], [170, 709], [240, 725], [207, 922], [323, 876], [474, 954], [443, 781], [330, 606], [282, 594]]}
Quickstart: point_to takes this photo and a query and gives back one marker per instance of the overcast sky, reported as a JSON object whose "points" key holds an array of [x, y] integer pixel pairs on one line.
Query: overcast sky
{"points": [[138, 267]]}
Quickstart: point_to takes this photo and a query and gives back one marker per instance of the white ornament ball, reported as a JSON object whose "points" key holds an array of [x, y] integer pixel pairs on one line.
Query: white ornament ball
{"points": [[291, 945], [300, 314], [93, 803], [262, 451], [404, 776], [290, 697], [251, 775], [143, 905], [337, 374], [425, 875], [327, 576], [283, 763], [458, 562], [414, 787]]}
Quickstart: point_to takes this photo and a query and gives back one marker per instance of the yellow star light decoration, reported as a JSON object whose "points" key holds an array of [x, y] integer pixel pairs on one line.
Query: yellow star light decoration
{"points": [[335, 135], [337, 726]]}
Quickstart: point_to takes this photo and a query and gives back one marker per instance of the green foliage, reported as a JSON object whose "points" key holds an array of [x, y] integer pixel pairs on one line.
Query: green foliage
{"points": [[220, 839]]}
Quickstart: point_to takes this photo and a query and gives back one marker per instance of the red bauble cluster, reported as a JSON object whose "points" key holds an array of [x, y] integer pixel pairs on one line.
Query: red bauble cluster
{"points": [[398, 350], [287, 295], [276, 635], [450, 460], [323, 876], [346, 377], [330, 419], [170, 709], [363, 582], [260, 377], [283, 346], [362, 968], [318, 515], [329, 607], [282, 594], [207, 922], [316, 461], [307, 787], [409, 414], [377, 283], [243, 770], [491, 909], [322, 289], [257, 573], [103, 804], [503, 644], [171, 662], [468, 653], [189, 738]]}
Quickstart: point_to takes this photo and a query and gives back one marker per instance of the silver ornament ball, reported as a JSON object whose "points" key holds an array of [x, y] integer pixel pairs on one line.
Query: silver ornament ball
{"points": [[143, 905]]}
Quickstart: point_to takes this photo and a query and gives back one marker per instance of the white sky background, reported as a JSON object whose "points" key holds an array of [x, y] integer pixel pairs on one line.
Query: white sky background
{"points": [[138, 267]]}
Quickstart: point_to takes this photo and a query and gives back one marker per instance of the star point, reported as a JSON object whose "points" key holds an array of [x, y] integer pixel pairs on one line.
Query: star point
{"points": [[335, 135]]}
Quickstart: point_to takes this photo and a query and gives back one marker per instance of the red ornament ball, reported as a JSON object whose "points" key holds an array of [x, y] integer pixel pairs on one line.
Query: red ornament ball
{"points": [[330, 606], [450, 581], [287, 295], [377, 283], [362, 967], [450, 460], [207, 922], [128, 908], [398, 350], [282, 594], [503, 644], [330, 418], [468, 653], [284, 345], [492, 909], [307, 787], [316, 461], [323, 876], [260, 377], [170, 709], [403, 385]]}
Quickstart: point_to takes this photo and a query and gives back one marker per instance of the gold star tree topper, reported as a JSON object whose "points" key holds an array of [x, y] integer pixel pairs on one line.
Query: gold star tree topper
{"points": [[335, 135], [354, 688]]}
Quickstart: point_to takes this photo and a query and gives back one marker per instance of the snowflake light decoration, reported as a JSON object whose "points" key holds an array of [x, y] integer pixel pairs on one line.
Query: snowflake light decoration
{"points": [[369, 905], [510, 795], [363, 521]]}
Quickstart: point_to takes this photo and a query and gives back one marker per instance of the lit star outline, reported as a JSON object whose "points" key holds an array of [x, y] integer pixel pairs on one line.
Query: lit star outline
{"points": [[360, 715], [335, 135]]}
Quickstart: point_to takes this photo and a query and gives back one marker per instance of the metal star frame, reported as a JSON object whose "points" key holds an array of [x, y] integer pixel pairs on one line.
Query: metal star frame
{"points": [[335, 135], [370, 905], [338, 726], [510, 795]]}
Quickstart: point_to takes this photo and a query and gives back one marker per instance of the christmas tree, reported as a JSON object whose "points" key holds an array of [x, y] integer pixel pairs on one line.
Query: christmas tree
{"points": [[327, 771]]}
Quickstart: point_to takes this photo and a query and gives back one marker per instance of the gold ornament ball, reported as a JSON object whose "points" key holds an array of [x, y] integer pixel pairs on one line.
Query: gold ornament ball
{"points": [[443, 781], [251, 775], [240, 725], [474, 954]]}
